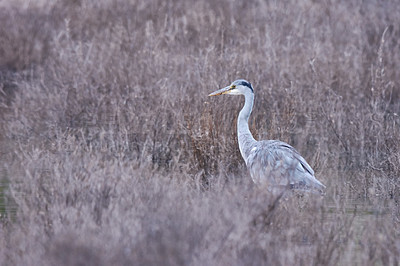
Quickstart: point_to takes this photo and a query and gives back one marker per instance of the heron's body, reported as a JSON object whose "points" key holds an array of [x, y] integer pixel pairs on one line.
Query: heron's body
{"points": [[272, 163]]}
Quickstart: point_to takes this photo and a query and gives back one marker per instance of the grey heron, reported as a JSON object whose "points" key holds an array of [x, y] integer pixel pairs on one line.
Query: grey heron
{"points": [[272, 163]]}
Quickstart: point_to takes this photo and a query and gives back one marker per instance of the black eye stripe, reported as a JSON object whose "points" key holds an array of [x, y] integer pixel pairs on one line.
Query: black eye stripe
{"points": [[247, 84]]}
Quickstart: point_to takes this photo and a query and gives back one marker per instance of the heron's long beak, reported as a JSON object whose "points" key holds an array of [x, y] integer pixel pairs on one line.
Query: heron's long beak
{"points": [[221, 91]]}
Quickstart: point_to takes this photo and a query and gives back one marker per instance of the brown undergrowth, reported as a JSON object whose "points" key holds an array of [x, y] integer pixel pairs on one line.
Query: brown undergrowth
{"points": [[111, 152]]}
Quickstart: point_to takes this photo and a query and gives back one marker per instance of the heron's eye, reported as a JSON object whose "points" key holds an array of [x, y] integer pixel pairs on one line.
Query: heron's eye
{"points": [[233, 86]]}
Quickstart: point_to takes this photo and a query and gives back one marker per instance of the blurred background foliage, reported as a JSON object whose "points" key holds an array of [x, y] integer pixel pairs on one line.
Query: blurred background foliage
{"points": [[111, 148]]}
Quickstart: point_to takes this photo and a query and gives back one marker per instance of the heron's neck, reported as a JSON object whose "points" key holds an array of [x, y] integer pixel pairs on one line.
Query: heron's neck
{"points": [[245, 138]]}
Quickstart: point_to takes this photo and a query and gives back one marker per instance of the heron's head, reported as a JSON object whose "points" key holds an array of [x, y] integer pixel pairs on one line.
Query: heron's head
{"points": [[238, 87]]}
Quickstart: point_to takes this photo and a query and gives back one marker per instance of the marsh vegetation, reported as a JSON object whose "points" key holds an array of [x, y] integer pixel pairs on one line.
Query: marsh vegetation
{"points": [[112, 154]]}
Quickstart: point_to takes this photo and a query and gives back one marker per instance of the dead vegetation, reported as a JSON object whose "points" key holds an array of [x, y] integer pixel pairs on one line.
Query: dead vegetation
{"points": [[111, 153]]}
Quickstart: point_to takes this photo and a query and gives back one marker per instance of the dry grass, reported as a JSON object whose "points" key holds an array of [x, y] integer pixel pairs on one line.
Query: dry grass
{"points": [[111, 153]]}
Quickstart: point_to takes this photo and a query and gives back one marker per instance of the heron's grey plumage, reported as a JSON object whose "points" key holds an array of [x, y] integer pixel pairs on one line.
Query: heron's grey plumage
{"points": [[272, 163]]}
